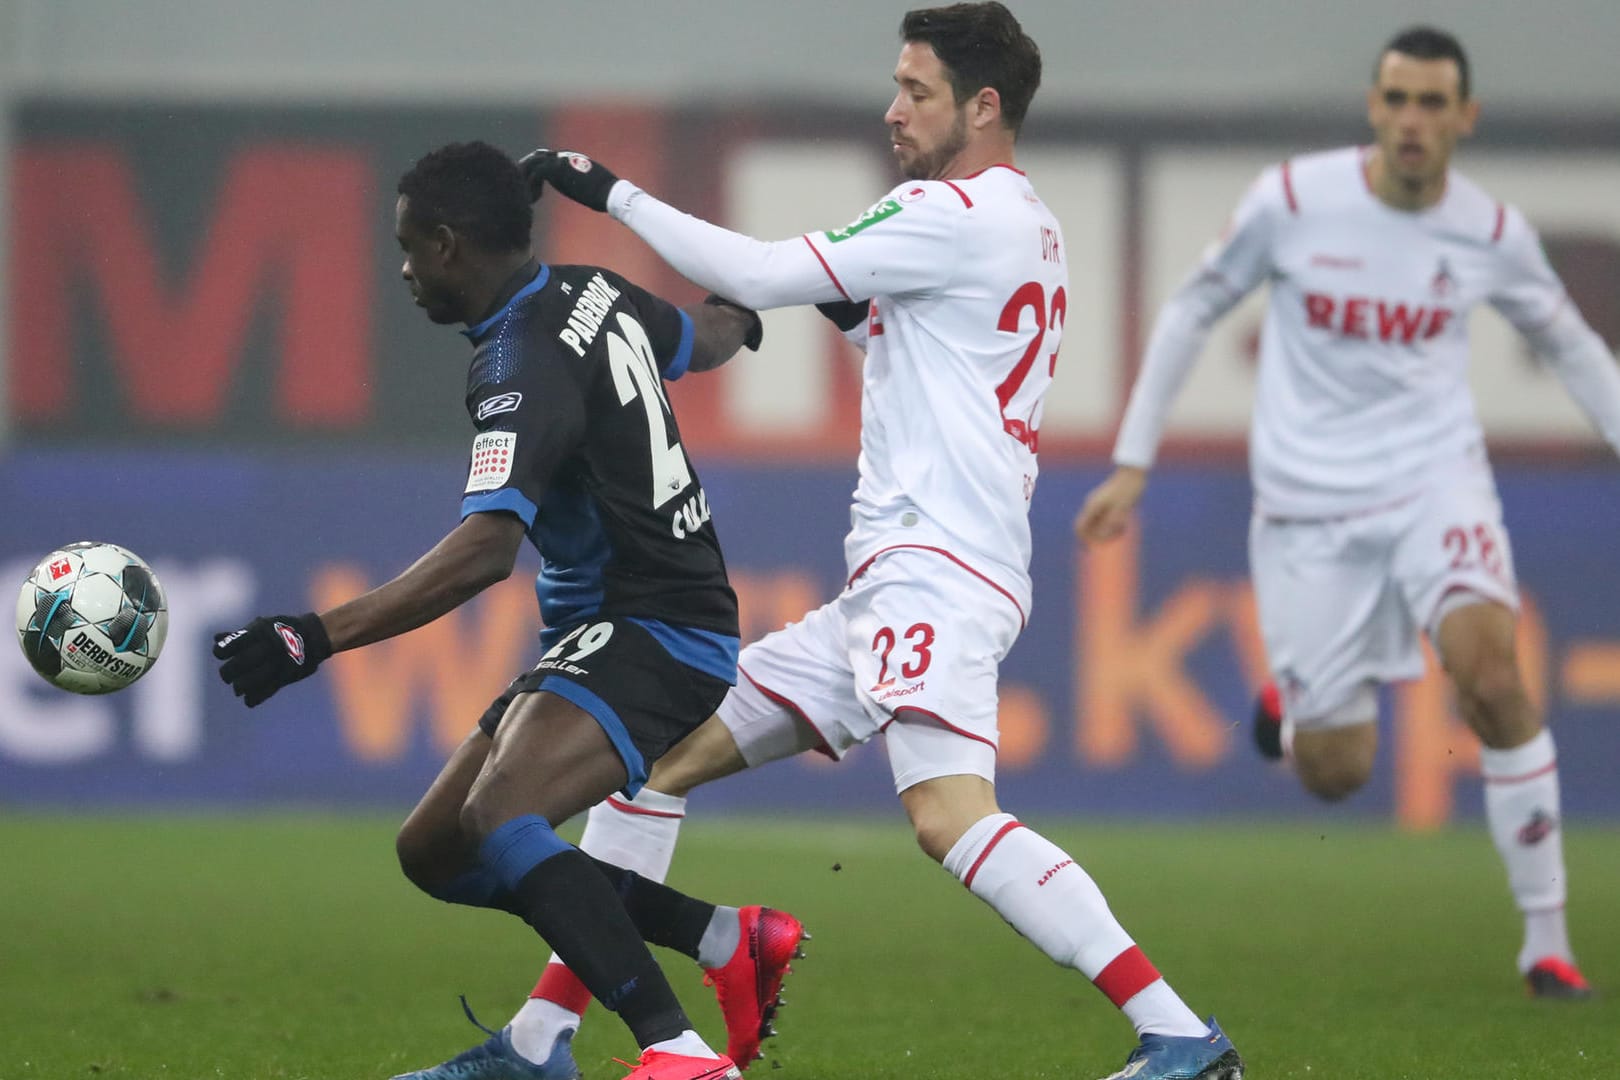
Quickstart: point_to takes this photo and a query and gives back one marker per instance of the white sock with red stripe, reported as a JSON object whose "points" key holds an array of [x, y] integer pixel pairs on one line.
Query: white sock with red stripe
{"points": [[638, 834], [1045, 895], [1523, 810]]}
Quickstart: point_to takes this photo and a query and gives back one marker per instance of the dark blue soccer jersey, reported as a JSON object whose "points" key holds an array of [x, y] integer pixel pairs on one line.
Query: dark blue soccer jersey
{"points": [[576, 438]]}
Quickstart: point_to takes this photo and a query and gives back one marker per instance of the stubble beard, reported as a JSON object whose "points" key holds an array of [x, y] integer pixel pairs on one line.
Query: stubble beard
{"points": [[932, 165]]}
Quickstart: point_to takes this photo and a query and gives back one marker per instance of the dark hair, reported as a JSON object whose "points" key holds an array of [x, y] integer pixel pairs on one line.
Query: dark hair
{"points": [[476, 190], [981, 45], [1428, 43]]}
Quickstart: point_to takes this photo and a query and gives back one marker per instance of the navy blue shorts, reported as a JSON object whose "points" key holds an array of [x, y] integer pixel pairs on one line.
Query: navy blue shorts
{"points": [[615, 669]]}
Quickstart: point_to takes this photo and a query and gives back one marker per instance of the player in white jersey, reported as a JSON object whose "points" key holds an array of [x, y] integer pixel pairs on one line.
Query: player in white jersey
{"points": [[955, 285], [1376, 516]]}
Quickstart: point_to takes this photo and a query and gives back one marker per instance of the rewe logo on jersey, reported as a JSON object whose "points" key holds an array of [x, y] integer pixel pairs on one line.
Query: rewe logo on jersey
{"points": [[885, 209], [1376, 320]]}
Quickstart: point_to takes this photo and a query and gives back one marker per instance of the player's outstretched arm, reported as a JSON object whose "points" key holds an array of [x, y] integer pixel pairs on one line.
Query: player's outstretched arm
{"points": [[275, 651], [1107, 510], [720, 329], [755, 273]]}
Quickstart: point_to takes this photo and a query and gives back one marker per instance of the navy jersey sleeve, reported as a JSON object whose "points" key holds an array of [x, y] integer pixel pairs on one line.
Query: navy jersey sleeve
{"points": [[668, 328], [530, 415]]}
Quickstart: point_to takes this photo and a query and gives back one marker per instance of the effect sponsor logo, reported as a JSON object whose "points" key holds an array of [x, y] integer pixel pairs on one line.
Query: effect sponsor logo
{"points": [[885, 209], [500, 403], [916, 194], [491, 468], [225, 639], [291, 640]]}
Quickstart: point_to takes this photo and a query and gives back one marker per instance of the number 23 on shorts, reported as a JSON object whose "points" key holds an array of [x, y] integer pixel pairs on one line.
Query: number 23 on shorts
{"points": [[919, 640]]}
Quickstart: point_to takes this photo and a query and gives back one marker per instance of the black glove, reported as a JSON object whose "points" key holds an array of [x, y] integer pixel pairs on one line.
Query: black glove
{"points": [[573, 175], [269, 653], [756, 329], [845, 314]]}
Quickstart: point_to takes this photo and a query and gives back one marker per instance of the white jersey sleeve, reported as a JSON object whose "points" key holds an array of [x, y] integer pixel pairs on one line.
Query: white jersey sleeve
{"points": [[903, 246], [755, 273], [1231, 268], [1530, 296]]}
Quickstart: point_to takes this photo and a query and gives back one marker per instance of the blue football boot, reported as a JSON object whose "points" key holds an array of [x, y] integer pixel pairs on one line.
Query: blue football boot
{"points": [[494, 1059], [1210, 1056]]}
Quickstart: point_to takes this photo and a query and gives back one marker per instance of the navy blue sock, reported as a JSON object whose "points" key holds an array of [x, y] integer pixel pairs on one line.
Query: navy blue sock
{"points": [[559, 891], [662, 915]]}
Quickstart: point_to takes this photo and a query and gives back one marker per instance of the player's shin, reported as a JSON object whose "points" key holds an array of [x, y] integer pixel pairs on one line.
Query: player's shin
{"points": [[1044, 894], [1523, 810], [636, 834], [562, 894]]}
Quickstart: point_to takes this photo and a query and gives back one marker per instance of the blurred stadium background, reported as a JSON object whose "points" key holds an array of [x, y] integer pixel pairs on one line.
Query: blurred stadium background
{"points": [[208, 357]]}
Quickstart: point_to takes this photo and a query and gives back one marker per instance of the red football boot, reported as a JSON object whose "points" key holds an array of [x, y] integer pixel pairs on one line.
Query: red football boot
{"points": [[1557, 979], [660, 1065], [749, 986]]}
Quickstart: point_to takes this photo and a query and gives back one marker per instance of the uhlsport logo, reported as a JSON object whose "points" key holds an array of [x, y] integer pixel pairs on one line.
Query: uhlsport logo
{"points": [[885, 209], [292, 641]]}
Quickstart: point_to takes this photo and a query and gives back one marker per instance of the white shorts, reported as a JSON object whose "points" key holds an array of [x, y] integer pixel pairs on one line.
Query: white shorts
{"points": [[914, 631], [1343, 600]]}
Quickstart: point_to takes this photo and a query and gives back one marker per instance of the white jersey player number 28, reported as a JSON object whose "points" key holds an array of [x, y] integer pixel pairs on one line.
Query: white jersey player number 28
{"points": [[1022, 421], [635, 374]]}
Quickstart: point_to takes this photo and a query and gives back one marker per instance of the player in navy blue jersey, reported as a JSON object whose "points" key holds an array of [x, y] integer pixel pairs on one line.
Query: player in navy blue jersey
{"points": [[578, 451]]}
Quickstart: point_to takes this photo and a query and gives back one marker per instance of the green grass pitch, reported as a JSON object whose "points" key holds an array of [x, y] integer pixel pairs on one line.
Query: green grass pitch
{"points": [[289, 947]]}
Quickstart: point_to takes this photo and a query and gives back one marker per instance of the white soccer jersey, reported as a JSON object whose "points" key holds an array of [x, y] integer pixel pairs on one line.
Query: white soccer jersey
{"points": [[968, 289], [969, 292], [1363, 387]]}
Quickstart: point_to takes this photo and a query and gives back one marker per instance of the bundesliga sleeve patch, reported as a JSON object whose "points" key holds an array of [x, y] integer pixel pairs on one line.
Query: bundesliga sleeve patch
{"points": [[492, 453], [885, 209]]}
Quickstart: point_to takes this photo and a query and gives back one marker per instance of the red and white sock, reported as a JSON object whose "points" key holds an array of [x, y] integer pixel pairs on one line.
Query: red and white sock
{"points": [[1523, 810], [638, 834], [1045, 895]]}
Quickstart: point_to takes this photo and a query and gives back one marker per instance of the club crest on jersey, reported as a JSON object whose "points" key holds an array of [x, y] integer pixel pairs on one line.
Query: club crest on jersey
{"points": [[498, 404], [885, 209], [1443, 282]]}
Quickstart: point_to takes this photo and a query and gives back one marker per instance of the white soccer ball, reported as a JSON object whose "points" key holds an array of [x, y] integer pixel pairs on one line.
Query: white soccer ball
{"points": [[91, 618]]}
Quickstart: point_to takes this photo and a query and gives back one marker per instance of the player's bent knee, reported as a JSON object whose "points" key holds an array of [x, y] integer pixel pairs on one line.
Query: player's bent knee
{"points": [[1333, 783], [943, 809], [935, 838], [424, 857], [1334, 764]]}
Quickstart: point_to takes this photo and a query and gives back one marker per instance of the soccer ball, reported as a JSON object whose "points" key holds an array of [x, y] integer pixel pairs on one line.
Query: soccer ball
{"points": [[91, 618]]}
